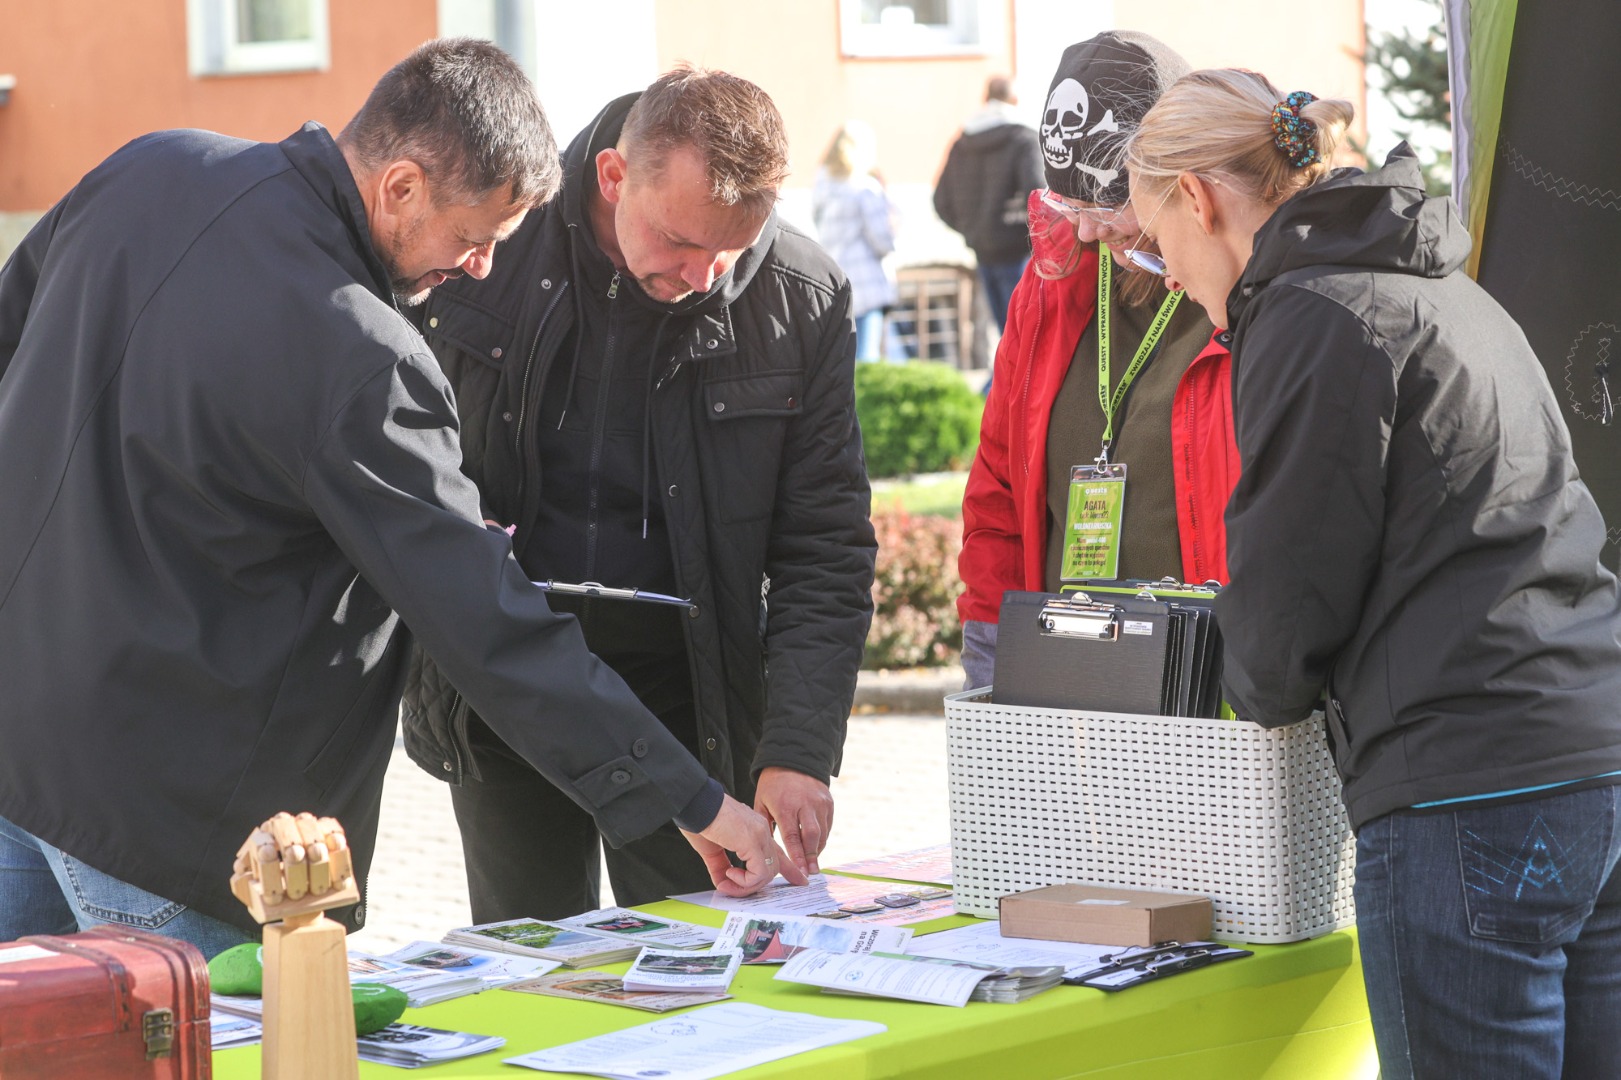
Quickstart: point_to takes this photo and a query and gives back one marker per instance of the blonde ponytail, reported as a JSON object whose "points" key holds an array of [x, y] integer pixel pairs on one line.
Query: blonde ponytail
{"points": [[1236, 125]]}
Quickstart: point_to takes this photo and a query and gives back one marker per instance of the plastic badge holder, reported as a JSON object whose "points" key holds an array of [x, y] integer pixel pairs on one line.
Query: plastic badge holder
{"points": [[1247, 816]]}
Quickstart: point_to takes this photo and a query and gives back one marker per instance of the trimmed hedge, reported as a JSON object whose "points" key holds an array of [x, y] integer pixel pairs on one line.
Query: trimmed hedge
{"points": [[917, 417], [914, 620]]}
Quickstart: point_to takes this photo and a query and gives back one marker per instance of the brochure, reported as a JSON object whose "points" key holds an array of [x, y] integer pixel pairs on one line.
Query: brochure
{"points": [[679, 969], [983, 943], [623, 924], [226, 1031], [999, 984], [251, 1008], [549, 941], [610, 989], [885, 976], [699, 1045], [773, 939], [411, 1046], [492, 968]]}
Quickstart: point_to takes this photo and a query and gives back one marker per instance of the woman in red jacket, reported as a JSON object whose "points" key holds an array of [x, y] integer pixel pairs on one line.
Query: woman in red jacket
{"points": [[1099, 368]]}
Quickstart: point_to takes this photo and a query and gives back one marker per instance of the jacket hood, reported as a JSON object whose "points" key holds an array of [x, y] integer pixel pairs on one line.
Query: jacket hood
{"points": [[579, 172], [1378, 220], [1002, 138], [994, 114]]}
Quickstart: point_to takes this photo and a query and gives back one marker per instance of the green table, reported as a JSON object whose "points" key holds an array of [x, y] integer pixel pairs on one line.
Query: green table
{"points": [[1289, 1011]]}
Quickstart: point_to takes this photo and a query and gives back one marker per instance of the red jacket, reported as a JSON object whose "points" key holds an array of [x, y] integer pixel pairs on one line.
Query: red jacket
{"points": [[1004, 510]]}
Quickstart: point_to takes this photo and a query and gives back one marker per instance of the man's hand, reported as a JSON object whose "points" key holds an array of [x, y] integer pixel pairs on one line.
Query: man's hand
{"points": [[802, 809], [737, 828]]}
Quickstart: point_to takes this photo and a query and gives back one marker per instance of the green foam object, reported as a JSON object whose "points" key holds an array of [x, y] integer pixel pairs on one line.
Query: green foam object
{"points": [[240, 972]]}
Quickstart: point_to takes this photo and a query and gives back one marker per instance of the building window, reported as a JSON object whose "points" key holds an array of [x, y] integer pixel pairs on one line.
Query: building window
{"points": [[240, 37], [920, 27]]}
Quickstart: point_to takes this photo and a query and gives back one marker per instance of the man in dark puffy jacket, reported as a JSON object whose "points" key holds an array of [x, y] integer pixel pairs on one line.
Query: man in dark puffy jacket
{"points": [[989, 173], [656, 391]]}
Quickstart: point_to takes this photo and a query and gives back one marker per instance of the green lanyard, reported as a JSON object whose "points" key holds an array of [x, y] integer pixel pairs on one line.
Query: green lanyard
{"points": [[1111, 405]]}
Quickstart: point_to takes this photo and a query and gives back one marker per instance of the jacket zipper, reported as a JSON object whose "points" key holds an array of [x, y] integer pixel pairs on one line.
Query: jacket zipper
{"points": [[1029, 370], [599, 425], [529, 366]]}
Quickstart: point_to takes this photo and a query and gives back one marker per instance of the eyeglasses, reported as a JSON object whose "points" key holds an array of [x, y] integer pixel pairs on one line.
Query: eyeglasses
{"points": [[1101, 216], [1149, 260]]}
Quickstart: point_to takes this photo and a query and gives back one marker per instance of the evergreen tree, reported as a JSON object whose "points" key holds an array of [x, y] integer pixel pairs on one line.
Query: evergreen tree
{"points": [[1410, 69]]}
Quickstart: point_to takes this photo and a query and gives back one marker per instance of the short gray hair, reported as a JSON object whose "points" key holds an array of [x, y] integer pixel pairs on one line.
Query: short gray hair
{"points": [[465, 112]]}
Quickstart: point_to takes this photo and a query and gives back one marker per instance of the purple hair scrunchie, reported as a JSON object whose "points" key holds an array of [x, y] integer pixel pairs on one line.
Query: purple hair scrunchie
{"points": [[1293, 134]]}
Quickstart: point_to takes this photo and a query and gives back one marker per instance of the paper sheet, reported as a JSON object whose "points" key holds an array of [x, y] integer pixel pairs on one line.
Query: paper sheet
{"points": [[824, 893], [983, 943], [700, 1044], [930, 865]]}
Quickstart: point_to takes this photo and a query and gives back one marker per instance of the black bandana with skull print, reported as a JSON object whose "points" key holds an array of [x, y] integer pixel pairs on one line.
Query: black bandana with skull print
{"points": [[1099, 94]]}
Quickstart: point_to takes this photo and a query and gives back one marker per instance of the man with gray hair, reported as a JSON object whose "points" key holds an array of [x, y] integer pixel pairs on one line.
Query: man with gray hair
{"points": [[656, 393], [234, 496]]}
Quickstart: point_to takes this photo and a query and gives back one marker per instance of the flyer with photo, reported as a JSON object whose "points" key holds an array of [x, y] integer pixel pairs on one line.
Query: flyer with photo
{"points": [[623, 924], [678, 969], [772, 939], [610, 990]]}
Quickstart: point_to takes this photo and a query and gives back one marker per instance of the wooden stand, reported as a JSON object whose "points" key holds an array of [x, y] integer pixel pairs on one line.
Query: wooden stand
{"points": [[309, 1016], [292, 869]]}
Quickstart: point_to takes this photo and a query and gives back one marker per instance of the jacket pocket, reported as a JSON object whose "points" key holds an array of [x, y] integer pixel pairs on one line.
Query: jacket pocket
{"points": [[738, 397], [453, 323]]}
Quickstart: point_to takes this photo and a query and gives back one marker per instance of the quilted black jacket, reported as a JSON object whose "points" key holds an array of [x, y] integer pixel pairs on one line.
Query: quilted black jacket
{"points": [[758, 456]]}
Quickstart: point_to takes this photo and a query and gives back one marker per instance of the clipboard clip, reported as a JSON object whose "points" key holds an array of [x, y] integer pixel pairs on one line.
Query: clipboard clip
{"points": [[1079, 616]]}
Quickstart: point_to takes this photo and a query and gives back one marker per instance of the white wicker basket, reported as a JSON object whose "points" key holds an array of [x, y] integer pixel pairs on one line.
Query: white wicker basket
{"points": [[1248, 816]]}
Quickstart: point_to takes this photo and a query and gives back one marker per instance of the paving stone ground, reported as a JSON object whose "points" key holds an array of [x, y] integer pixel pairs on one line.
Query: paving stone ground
{"points": [[890, 797]]}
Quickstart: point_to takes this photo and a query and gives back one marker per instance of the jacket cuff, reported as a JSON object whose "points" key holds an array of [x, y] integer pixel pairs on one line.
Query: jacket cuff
{"points": [[700, 813]]}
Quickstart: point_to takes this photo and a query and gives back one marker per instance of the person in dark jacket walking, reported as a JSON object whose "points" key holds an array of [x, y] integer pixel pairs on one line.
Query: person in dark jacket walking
{"points": [[990, 170], [233, 484], [1409, 539], [656, 391]]}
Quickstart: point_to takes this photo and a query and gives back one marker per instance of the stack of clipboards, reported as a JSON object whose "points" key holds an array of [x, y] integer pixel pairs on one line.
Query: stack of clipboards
{"points": [[1116, 646]]}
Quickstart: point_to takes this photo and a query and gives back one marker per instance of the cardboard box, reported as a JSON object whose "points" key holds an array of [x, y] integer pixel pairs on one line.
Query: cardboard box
{"points": [[1097, 915]]}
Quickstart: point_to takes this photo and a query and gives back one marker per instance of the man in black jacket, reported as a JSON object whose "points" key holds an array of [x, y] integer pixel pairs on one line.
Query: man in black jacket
{"points": [[656, 393], [232, 483], [984, 187]]}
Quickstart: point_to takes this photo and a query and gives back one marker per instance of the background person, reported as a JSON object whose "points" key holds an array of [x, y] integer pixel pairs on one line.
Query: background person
{"points": [[1172, 425], [1410, 538], [656, 391], [242, 487], [991, 169], [855, 222]]}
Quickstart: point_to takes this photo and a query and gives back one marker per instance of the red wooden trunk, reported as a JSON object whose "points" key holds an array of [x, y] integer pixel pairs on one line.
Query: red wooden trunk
{"points": [[109, 1003]]}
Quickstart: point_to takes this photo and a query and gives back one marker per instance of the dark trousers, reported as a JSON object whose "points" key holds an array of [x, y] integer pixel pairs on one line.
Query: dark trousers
{"points": [[998, 280], [530, 851]]}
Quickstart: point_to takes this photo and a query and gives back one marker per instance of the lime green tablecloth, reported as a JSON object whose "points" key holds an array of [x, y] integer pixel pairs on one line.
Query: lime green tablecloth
{"points": [[1289, 1011]]}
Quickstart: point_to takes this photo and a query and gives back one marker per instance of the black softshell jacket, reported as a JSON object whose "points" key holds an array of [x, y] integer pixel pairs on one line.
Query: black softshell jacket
{"points": [[985, 187], [1409, 534], [759, 472], [231, 483]]}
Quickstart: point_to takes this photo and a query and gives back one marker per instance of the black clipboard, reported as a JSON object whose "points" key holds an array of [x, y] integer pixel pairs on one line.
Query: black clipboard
{"points": [[1076, 651]]}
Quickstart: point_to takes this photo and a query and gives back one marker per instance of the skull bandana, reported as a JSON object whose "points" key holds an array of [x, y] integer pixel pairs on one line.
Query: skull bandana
{"points": [[1099, 94]]}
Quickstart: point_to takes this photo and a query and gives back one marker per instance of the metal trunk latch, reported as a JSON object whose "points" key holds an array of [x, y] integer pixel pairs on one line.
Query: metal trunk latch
{"points": [[157, 1028]]}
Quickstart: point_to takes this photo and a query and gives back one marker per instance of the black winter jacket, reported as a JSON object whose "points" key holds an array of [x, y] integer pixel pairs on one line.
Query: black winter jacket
{"points": [[1409, 533], [759, 466], [231, 483], [984, 189]]}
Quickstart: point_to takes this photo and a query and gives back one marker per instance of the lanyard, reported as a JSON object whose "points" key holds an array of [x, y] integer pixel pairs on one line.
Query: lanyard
{"points": [[1111, 404]]}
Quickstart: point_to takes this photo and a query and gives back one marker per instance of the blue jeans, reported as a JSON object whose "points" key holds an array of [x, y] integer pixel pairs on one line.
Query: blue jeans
{"points": [[998, 280], [44, 890], [1491, 938], [870, 335]]}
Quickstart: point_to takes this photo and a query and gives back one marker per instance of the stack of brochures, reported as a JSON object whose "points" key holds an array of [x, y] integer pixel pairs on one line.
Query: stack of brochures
{"points": [[226, 1030], [610, 990], [421, 986], [411, 1046], [606, 936], [490, 969], [683, 971], [925, 979]]}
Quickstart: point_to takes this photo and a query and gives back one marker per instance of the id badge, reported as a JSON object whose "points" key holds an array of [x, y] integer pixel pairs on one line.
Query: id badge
{"points": [[1097, 500]]}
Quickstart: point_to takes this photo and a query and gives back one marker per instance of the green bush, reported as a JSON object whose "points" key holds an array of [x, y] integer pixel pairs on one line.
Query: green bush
{"points": [[916, 417], [914, 619]]}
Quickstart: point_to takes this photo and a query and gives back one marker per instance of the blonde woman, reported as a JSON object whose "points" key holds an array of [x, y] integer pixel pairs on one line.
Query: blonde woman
{"points": [[1409, 540], [855, 223]]}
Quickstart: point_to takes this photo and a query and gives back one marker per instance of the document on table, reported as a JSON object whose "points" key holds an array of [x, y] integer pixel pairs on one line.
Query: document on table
{"points": [[983, 943], [705, 1043], [771, 939], [825, 894], [930, 866], [936, 983]]}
